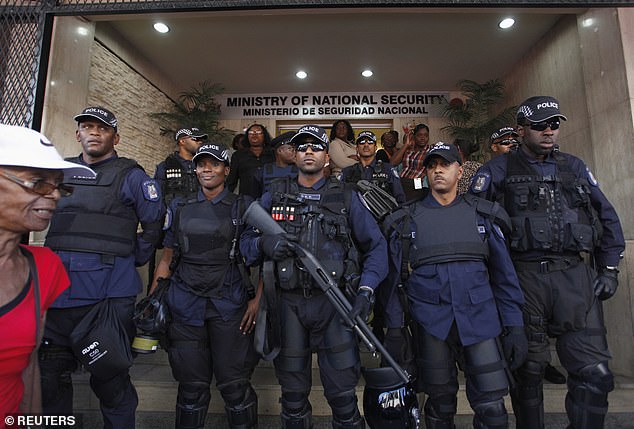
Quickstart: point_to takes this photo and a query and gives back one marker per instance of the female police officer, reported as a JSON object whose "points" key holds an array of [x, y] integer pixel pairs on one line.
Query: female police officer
{"points": [[212, 321]]}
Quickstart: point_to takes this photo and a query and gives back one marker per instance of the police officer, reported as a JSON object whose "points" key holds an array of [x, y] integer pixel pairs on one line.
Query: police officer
{"points": [[388, 312], [212, 322], [283, 166], [94, 232], [369, 168], [463, 294], [504, 140], [322, 215], [558, 212], [176, 173]]}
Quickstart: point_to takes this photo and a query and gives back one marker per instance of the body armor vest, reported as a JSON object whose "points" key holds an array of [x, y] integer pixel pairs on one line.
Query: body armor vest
{"points": [[270, 172], [549, 213], [180, 181], [318, 219], [447, 234], [93, 219], [380, 175], [205, 232]]}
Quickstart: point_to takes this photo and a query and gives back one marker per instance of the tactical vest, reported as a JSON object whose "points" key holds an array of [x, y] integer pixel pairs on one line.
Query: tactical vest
{"points": [[318, 219], [180, 181], [447, 234], [271, 172], [205, 233], [380, 175], [93, 219], [549, 213]]}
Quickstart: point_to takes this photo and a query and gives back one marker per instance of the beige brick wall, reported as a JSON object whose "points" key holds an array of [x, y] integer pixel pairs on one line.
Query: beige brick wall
{"points": [[118, 87]]}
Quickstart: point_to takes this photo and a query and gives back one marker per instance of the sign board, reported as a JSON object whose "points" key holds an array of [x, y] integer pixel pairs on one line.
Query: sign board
{"points": [[323, 105]]}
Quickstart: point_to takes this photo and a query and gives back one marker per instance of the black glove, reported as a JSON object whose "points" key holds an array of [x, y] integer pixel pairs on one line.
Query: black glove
{"points": [[362, 304], [515, 345], [606, 283], [276, 246]]}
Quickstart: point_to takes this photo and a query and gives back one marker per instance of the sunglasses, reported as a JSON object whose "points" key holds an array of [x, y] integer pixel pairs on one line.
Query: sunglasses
{"points": [[365, 142], [508, 142], [315, 147], [40, 186], [541, 126]]}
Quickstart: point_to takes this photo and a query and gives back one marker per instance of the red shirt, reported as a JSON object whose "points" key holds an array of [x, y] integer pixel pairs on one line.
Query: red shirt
{"points": [[17, 327]]}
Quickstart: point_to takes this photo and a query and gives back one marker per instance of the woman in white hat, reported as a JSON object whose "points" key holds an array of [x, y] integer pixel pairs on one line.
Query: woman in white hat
{"points": [[31, 182]]}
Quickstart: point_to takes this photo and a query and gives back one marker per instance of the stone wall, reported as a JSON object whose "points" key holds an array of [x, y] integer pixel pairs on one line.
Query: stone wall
{"points": [[117, 86]]}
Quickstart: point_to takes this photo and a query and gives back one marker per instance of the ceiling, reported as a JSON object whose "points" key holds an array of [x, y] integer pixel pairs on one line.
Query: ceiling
{"points": [[407, 48]]}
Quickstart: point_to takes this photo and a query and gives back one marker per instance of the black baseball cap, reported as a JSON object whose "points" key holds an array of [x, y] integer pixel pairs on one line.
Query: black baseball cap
{"points": [[504, 131], [282, 139], [366, 135], [311, 130], [190, 132], [213, 150], [444, 150], [538, 109], [100, 113]]}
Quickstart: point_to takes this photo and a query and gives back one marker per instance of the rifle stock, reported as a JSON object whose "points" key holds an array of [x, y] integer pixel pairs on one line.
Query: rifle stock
{"points": [[256, 216]]}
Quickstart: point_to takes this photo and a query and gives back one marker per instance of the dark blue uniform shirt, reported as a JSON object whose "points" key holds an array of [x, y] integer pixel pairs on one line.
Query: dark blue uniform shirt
{"points": [[394, 178], [481, 298], [489, 183], [93, 278], [189, 308], [365, 232]]}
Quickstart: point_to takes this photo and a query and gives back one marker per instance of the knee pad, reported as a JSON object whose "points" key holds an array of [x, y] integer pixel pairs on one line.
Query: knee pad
{"points": [[490, 415], [439, 412], [434, 361], [341, 349], [485, 367], [441, 407], [344, 406], [110, 392], [244, 415], [296, 411], [587, 398], [528, 396], [191, 405]]}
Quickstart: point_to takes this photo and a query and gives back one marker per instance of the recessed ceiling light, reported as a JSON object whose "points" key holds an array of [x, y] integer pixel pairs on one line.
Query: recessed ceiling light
{"points": [[506, 23], [587, 22], [82, 31], [301, 74], [161, 28], [367, 73]]}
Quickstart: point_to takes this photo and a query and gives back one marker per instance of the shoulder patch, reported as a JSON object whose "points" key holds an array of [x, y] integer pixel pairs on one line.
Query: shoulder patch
{"points": [[150, 190], [498, 231], [395, 173], [480, 182], [591, 178], [168, 219]]}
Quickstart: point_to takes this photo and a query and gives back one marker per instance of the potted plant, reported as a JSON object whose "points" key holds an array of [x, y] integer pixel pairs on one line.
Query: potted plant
{"points": [[197, 107], [476, 118]]}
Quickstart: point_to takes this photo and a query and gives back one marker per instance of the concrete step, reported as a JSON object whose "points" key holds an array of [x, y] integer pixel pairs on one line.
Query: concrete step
{"points": [[157, 391], [162, 420]]}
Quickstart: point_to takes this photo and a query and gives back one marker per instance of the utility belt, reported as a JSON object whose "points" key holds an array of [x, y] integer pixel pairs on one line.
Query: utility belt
{"points": [[306, 292], [548, 265]]}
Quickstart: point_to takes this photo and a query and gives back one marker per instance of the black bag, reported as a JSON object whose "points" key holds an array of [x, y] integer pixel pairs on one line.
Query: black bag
{"points": [[101, 343]]}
